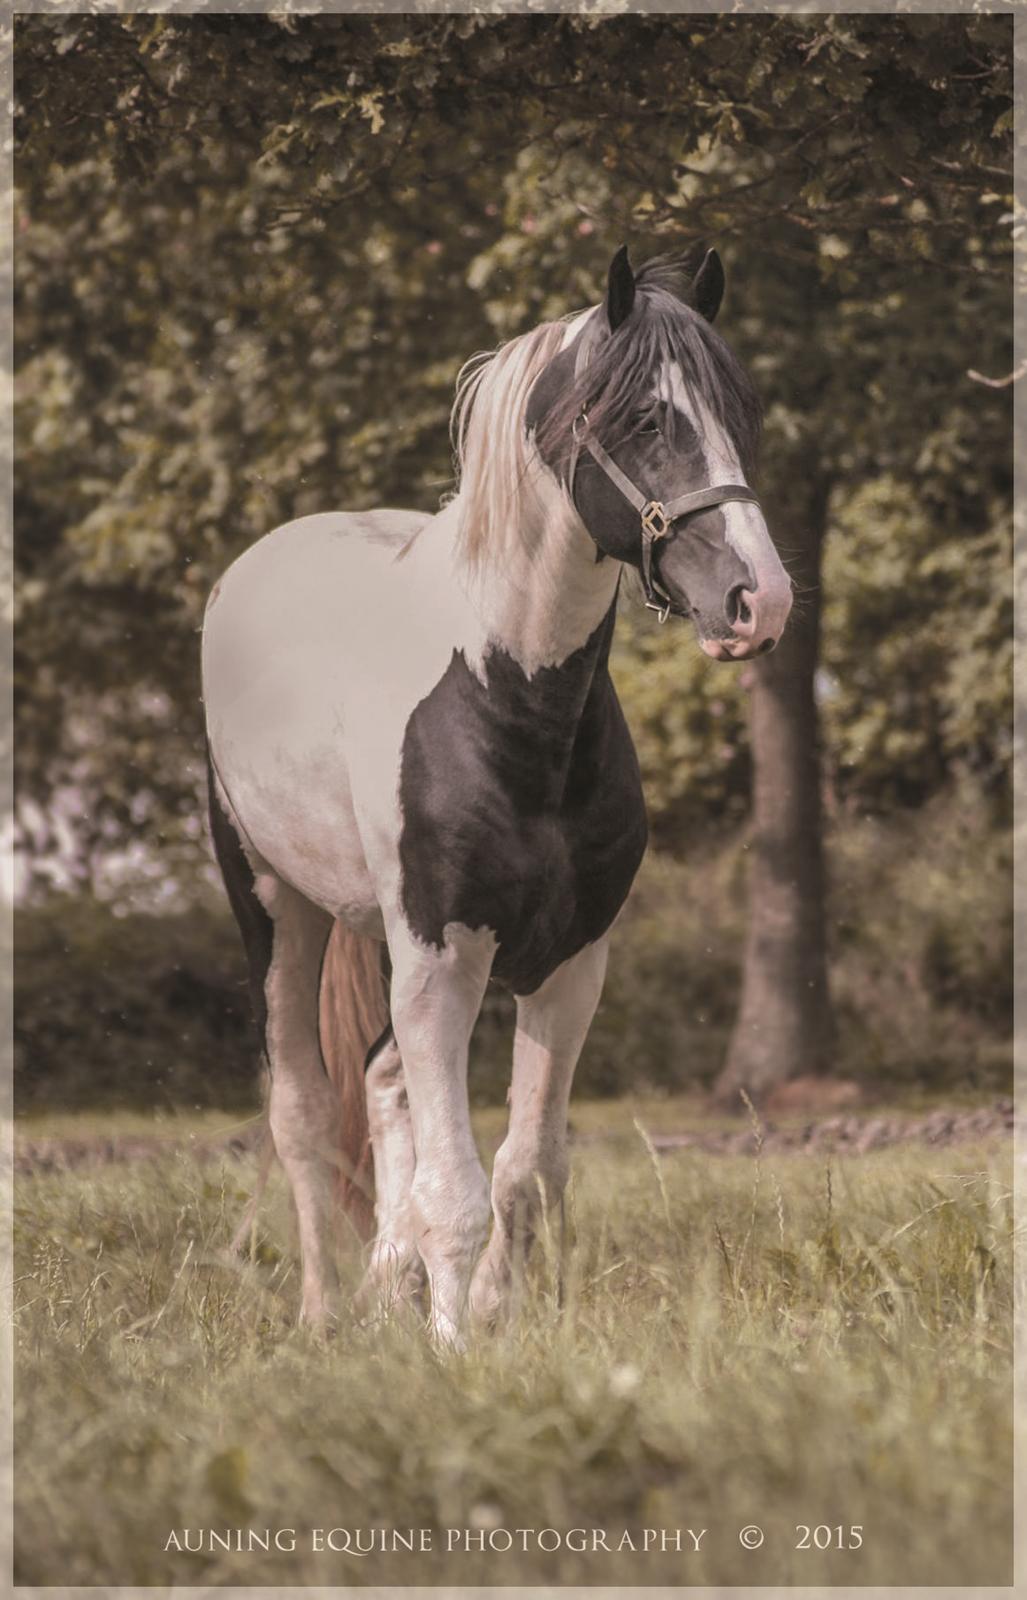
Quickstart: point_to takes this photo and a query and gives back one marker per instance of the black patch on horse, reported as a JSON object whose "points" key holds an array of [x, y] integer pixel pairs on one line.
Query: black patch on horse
{"points": [[522, 808], [255, 925]]}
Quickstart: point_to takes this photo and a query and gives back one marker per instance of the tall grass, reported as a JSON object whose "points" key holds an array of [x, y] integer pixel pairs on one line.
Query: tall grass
{"points": [[715, 1343]]}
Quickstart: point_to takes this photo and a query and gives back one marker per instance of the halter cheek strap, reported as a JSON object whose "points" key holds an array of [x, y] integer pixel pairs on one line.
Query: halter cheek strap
{"points": [[656, 516]]}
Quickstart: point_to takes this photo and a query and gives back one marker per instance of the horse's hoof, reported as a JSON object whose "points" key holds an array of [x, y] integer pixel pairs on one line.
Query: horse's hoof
{"points": [[319, 1317], [381, 1293], [446, 1335], [488, 1300]]}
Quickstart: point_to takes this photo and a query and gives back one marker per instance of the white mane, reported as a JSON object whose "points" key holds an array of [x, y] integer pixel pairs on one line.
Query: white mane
{"points": [[499, 473]]}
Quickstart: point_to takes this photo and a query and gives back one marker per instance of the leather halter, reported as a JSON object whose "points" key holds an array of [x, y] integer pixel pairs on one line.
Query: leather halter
{"points": [[656, 516]]}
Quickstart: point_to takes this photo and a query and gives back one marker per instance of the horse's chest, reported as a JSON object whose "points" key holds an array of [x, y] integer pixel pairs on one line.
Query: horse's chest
{"points": [[522, 811]]}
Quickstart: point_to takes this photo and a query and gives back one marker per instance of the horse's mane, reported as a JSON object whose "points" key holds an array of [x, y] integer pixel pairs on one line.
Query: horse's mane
{"points": [[497, 461]]}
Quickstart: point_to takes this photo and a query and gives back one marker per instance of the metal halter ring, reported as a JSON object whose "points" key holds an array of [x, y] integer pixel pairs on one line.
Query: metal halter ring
{"points": [[655, 521]]}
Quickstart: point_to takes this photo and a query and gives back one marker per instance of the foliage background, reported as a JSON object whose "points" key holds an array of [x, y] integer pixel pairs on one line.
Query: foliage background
{"points": [[253, 252]]}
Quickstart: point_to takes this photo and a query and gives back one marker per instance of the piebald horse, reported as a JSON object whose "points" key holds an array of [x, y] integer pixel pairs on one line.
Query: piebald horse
{"points": [[414, 740]]}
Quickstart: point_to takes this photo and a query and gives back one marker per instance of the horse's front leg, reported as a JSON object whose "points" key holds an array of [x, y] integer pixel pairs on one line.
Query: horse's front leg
{"points": [[395, 1272], [531, 1165], [436, 996]]}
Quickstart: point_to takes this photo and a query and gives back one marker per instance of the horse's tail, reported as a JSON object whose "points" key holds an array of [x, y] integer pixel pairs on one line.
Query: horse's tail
{"points": [[353, 1014]]}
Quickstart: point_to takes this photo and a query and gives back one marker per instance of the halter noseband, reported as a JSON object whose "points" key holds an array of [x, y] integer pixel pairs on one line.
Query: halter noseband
{"points": [[657, 517]]}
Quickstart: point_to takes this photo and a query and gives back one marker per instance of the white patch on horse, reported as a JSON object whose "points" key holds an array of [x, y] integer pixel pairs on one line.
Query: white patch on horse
{"points": [[305, 620], [745, 526]]}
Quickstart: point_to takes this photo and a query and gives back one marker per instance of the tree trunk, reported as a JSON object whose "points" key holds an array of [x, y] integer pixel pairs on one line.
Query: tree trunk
{"points": [[784, 1026]]}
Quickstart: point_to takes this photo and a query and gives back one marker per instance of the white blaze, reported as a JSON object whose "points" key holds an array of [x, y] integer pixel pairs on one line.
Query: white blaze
{"points": [[746, 530]]}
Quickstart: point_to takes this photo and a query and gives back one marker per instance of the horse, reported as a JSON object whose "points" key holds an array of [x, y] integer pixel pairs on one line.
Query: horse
{"points": [[414, 741]]}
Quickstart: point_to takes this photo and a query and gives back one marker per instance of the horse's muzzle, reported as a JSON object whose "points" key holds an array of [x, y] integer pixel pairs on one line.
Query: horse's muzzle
{"points": [[736, 649], [757, 622]]}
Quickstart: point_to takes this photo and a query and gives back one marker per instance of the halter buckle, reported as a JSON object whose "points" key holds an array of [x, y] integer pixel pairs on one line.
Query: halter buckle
{"points": [[655, 521], [662, 609]]}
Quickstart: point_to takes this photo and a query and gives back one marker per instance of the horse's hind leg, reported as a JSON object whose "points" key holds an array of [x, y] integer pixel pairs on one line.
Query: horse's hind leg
{"points": [[395, 1271], [304, 1106], [285, 936], [531, 1165], [257, 931]]}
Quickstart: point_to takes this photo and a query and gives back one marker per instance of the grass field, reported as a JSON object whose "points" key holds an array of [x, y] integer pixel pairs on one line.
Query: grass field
{"points": [[765, 1341]]}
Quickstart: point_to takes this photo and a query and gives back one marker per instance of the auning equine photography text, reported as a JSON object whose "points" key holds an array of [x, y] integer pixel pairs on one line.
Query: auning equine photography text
{"points": [[416, 1541]]}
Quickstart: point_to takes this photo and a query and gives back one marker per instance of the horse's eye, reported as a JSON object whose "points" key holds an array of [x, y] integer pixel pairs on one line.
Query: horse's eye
{"points": [[648, 424]]}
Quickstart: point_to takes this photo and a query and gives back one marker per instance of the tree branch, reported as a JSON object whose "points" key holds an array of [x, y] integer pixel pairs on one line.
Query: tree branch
{"points": [[998, 383]]}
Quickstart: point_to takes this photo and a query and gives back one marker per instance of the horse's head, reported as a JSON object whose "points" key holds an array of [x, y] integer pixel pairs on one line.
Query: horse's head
{"points": [[652, 425]]}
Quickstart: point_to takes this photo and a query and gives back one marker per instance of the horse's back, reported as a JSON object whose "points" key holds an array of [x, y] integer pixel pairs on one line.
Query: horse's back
{"points": [[296, 561], [306, 579]]}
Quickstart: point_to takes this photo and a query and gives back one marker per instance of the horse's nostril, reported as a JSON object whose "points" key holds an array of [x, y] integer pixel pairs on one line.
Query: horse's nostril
{"points": [[741, 607], [768, 644], [736, 608]]}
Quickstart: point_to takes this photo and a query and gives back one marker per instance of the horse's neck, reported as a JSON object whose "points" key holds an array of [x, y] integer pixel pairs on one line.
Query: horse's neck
{"points": [[544, 594]]}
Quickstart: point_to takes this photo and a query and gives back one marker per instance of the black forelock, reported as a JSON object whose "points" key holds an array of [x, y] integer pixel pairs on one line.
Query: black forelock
{"points": [[673, 271], [617, 383]]}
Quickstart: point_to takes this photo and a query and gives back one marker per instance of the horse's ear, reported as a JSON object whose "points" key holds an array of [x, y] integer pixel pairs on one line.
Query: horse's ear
{"points": [[620, 290], [708, 286]]}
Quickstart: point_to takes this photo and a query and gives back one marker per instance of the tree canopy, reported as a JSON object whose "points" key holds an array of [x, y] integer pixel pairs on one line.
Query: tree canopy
{"points": [[253, 252]]}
